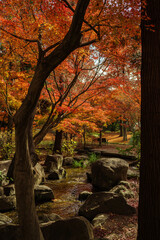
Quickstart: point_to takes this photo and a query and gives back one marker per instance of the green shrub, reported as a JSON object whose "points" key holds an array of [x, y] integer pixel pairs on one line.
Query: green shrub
{"points": [[68, 147], [92, 158], [78, 164], [83, 163]]}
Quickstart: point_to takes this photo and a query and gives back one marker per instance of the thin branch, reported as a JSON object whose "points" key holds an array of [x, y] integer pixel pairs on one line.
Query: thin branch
{"points": [[58, 88], [48, 93], [21, 38], [70, 86]]}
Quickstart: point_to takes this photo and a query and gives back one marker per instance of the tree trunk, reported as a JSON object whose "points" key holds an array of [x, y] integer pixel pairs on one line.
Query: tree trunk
{"points": [[100, 138], [124, 133], [84, 137], [23, 174], [31, 144], [149, 195], [24, 185], [58, 142], [121, 128]]}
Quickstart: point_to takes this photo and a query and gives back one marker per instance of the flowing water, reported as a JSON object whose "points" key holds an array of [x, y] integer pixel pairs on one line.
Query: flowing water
{"points": [[66, 192]]}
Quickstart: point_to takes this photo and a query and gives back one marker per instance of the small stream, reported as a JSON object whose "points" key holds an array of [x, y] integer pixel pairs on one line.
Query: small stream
{"points": [[66, 192]]}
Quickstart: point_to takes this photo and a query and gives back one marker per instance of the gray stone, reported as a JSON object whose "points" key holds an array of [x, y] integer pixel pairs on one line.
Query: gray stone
{"points": [[105, 202], [125, 183], [68, 161], [53, 162], [4, 179], [39, 174], [108, 172], [57, 174], [126, 192], [43, 193], [5, 165], [7, 203], [100, 219], [9, 190], [43, 218], [4, 219], [84, 195], [133, 173], [80, 157]]}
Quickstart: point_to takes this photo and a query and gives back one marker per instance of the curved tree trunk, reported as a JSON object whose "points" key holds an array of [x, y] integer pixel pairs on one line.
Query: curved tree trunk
{"points": [[23, 174], [24, 185], [31, 146]]}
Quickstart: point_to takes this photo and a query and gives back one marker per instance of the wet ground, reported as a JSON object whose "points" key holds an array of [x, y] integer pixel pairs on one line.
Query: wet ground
{"points": [[66, 193]]}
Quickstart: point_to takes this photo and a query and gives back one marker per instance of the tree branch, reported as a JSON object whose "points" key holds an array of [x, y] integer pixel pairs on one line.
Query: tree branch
{"points": [[88, 43], [52, 46], [21, 38], [70, 7]]}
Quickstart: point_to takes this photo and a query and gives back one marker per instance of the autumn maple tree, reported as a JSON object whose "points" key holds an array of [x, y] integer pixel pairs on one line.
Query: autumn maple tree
{"points": [[25, 23], [37, 37]]}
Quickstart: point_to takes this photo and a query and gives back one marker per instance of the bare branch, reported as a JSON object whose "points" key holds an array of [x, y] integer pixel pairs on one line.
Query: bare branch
{"points": [[49, 93], [21, 38], [70, 7]]}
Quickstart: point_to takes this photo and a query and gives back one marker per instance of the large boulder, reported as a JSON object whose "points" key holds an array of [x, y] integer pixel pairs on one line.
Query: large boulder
{"points": [[107, 172], [43, 193], [4, 219], [7, 203], [72, 229], [39, 174], [54, 168], [77, 228], [53, 162], [105, 202]]}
